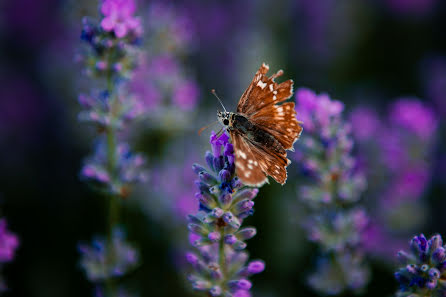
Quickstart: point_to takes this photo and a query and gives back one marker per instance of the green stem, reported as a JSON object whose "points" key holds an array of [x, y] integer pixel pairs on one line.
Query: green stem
{"points": [[221, 257], [113, 200]]}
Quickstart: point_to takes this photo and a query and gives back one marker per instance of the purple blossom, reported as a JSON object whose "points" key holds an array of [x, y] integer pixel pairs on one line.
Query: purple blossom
{"points": [[220, 264], [118, 18], [331, 193], [412, 114], [8, 243], [422, 268], [130, 169], [398, 164]]}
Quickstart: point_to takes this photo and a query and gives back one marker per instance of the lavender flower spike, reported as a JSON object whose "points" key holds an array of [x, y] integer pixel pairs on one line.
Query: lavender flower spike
{"points": [[220, 263], [423, 268], [331, 190]]}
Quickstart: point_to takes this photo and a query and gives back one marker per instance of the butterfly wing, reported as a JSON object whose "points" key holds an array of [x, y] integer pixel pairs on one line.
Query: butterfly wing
{"points": [[253, 162], [248, 165], [260, 103]]}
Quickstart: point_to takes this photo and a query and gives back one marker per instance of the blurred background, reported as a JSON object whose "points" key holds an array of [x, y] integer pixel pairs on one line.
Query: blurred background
{"points": [[373, 55]]}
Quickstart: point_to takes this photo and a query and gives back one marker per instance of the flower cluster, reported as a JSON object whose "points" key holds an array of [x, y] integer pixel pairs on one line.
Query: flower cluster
{"points": [[424, 268], [103, 259], [220, 263], [8, 245], [332, 191], [129, 169], [396, 151], [112, 168], [163, 81], [112, 57], [113, 42]]}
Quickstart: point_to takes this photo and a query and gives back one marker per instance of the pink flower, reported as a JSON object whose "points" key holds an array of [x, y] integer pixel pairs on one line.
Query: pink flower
{"points": [[118, 17], [8, 243]]}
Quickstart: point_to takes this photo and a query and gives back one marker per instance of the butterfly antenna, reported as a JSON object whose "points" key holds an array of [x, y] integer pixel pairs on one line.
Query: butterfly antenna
{"points": [[205, 127], [215, 94]]}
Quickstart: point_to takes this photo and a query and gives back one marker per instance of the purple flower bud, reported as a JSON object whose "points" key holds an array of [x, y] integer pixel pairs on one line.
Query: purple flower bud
{"points": [[239, 245], [256, 266], [439, 255], [206, 199], [207, 178], [242, 284], [214, 236], [435, 242], [225, 199], [432, 283], [246, 233], [243, 206], [434, 273], [246, 194], [217, 212], [201, 186], [236, 183], [230, 239], [197, 229], [411, 268], [210, 160], [197, 168], [231, 220], [219, 163], [215, 291], [191, 258], [224, 176]]}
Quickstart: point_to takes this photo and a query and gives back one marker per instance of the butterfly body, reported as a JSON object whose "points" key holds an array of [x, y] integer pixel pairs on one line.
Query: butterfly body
{"points": [[256, 135], [262, 129]]}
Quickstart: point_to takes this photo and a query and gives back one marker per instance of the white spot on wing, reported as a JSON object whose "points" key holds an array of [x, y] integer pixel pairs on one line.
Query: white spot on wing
{"points": [[261, 84], [271, 87]]}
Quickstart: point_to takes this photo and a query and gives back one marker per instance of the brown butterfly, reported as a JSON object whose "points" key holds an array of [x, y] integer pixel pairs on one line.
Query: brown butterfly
{"points": [[262, 129]]}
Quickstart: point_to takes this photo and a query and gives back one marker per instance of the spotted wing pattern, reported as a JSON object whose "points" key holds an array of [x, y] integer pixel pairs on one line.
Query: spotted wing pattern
{"points": [[254, 162], [263, 104], [247, 165]]}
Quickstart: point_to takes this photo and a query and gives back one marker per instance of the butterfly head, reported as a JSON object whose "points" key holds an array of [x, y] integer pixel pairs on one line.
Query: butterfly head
{"points": [[225, 118]]}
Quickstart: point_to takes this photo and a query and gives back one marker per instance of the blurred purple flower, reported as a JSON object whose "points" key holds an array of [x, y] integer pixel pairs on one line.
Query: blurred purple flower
{"points": [[412, 114], [186, 95], [130, 169], [8, 243], [118, 17], [106, 259], [398, 164], [365, 123], [334, 186]]}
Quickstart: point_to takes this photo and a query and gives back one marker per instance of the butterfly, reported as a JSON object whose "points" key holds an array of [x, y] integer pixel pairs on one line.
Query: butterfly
{"points": [[262, 129]]}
